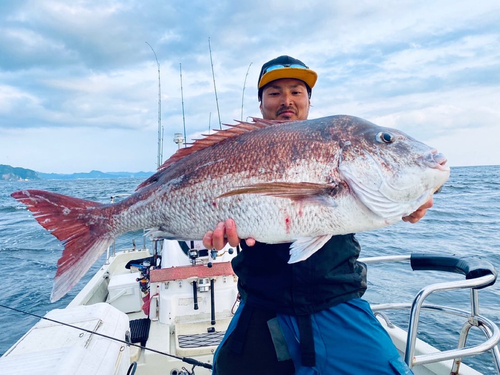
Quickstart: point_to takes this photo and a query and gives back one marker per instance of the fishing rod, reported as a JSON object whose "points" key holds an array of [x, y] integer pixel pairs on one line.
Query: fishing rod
{"points": [[160, 128], [243, 94], [215, 88], [188, 360], [182, 100]]}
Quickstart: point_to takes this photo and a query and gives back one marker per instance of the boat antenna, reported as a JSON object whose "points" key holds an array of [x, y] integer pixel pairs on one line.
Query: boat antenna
{"points": [[182, 99], [215, 88], [209, 121], [243, 95], [160, 129]]}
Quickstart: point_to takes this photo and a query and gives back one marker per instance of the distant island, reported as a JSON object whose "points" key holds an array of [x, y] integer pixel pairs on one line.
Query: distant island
{"points": [[9, 173]]}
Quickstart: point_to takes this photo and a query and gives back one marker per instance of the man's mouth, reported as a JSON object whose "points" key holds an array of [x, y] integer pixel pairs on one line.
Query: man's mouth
{"points": [[286, 112]]}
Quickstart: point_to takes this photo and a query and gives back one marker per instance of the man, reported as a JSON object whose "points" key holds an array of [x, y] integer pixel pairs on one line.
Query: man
{"points": [[307, 317]]}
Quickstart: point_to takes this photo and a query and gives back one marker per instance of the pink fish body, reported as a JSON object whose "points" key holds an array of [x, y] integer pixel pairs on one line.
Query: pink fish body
{"points": [[299, 182]]}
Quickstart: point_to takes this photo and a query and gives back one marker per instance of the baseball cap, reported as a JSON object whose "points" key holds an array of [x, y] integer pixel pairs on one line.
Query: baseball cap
{"points": [[286, 67]]}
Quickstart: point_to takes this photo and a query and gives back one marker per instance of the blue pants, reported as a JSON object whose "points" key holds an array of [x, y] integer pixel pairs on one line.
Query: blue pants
{"points": [[348, 339]]}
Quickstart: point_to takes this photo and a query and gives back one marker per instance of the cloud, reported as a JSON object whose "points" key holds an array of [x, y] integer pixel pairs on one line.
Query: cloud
{"points": [[83, 70]]}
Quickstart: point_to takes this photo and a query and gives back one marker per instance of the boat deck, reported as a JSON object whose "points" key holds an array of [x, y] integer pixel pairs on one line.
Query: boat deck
{"points": [[190, 307]]}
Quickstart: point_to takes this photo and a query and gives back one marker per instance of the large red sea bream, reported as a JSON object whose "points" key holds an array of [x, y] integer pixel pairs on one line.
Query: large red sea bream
{"points": [[299, 182]]}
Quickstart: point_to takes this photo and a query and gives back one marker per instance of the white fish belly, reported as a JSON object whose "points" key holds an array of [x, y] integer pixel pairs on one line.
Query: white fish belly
{"points": [[265, 218]]}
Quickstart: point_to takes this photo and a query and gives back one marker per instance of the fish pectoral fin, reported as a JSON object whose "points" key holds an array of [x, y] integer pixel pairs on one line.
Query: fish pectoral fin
{"points": [[303, 248], [297, 191]]}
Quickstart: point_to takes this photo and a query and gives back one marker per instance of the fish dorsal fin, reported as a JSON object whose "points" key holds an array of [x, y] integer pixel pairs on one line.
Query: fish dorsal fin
{"points": [[209, 140], [233, 130]]}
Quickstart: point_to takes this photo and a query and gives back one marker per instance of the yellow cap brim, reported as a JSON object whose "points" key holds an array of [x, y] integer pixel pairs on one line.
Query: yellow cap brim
{"points": [[307, 75]]}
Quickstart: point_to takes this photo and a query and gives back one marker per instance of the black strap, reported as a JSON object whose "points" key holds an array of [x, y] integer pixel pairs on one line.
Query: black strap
{"points": [[308, 356], [279, 341]]}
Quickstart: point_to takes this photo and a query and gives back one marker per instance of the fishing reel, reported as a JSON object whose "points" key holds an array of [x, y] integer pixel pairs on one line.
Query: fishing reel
{"points": [[197, 255], [183, 371], [144, 268]]}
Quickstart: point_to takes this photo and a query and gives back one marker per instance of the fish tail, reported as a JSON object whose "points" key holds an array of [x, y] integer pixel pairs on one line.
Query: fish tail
{"points": [[81, 226]]}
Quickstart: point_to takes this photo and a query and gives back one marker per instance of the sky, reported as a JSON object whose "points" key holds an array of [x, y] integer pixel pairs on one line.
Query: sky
{"points": [[79, 79]]}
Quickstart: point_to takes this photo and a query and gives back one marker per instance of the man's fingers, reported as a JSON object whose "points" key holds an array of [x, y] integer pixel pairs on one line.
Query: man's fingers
{"points": [[427, 204], [218, 240], [411, 219], [419, 213], [231, 234], [416, 216], [224, 232], [250, 242], [207, 240]]}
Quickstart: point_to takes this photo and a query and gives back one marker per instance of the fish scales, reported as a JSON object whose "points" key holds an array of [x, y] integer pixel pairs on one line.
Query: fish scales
{"points": [[299, 182], [287, 158], [270, 149]]}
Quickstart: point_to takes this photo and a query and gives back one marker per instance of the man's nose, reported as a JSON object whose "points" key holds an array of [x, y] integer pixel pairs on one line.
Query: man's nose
{"points": [[286, 99]]}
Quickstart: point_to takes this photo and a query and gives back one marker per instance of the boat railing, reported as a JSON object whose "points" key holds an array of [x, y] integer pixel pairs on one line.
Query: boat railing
{"points": [[479, 274]]}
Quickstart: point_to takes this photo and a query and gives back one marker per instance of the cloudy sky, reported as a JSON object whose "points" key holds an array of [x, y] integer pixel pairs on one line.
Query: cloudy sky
{"points": [[79, 84]]}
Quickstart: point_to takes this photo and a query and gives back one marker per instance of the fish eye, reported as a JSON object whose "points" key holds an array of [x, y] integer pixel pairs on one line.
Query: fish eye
{"points": [[385, 137]]}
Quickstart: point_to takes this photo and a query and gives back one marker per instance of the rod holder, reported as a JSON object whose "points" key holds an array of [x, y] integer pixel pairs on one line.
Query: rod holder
{"points": [[212, 302]]}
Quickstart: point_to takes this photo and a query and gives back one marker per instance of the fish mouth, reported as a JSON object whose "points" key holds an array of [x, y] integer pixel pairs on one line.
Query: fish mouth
{"points": [[436, 160]]}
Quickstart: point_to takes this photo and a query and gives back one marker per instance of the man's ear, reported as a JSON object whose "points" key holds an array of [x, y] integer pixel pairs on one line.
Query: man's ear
{"points": [[260, 107]]}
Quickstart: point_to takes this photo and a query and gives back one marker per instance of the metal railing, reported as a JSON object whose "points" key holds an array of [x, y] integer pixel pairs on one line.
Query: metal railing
{"points": [[479, 274]]}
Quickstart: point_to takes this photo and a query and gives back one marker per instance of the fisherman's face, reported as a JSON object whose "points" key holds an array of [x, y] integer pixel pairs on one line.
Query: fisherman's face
{"points": [[285, 99]]}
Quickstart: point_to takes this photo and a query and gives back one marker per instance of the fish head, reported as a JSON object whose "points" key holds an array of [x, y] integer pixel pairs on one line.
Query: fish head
{"points": [[391, 173]]}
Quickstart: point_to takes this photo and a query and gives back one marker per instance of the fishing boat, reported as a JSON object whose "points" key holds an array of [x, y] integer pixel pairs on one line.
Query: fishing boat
{"points": [[164, 310], [165, 307]]}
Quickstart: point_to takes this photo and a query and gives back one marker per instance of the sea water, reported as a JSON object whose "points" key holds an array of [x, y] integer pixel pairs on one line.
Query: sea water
{"points": [[465, 221]]}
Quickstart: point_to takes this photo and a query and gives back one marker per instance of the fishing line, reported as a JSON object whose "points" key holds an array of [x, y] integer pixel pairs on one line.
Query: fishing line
{"points": [[188, 360]]}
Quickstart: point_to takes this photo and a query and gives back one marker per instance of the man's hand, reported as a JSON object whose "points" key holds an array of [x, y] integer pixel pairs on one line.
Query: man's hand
{"points": [[224, 233], [419, 213]]}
